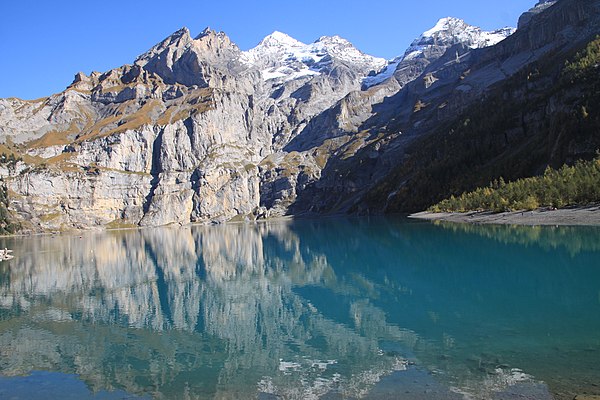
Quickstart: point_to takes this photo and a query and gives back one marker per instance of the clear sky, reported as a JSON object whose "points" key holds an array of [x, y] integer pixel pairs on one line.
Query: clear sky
{"points": [[44, 43]]}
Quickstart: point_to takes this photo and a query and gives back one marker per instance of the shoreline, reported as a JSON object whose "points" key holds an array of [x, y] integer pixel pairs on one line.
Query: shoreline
{"points": [[576, 216]]}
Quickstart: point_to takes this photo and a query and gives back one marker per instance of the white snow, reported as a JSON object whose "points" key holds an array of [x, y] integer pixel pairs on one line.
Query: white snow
{"points": [[441, 25], [282, 57], [279, 38], [450, 30], [383, 75], [491, 38], [446, 32], [286, 73]]}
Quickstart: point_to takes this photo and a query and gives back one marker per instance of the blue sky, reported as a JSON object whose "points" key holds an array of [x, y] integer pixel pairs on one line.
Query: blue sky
{"points": [[44, 43]]}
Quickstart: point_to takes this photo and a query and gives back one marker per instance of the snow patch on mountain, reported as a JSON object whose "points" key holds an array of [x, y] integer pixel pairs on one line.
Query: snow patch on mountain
{"points": [[343, 50], [280, 56], [446, 32], [450, 31], [383, 75]]}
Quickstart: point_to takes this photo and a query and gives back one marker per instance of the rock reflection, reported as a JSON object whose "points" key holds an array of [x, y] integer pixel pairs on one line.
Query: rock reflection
{"points": [[201, 300], [295, 310]]}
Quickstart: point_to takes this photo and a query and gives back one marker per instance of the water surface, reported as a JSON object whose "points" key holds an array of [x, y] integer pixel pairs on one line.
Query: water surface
{"points": [[336, 308]]}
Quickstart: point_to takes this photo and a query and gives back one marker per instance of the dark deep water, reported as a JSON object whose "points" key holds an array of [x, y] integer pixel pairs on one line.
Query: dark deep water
{"points": [[335, 308]]}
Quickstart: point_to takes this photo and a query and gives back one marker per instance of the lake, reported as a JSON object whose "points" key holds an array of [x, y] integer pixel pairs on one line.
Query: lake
{"points": [[332, 308]]}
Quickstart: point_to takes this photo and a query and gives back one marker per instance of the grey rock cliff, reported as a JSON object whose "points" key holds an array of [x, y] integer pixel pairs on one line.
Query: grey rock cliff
{"points": [[196, 130], [189, 132], [436, 100], [525, 18]]}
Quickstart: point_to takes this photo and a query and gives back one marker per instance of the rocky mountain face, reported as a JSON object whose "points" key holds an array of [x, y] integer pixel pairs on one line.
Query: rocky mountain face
{"points": [[538, 8], [176, 137], [474, 115], [198, 130]]}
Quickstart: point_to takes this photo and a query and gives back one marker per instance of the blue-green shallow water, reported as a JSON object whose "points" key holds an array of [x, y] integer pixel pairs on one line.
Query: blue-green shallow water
{"points": [[337, 308]]}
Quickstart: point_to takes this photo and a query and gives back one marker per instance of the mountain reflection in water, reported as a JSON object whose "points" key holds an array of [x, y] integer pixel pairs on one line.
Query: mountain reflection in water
{"points": [[304, 309]]}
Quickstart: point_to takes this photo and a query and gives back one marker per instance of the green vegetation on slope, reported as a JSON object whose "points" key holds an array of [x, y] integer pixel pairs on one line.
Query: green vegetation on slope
{"points": [[575, 185], [546, 114], [585, 61]]}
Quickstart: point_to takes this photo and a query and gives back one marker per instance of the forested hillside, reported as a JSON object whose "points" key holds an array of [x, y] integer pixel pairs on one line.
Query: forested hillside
{"points": [[546, 115], [568, 186]]}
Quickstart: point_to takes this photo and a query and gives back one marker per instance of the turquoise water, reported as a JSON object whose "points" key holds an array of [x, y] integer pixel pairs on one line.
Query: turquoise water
{"points": [[336, 308]]}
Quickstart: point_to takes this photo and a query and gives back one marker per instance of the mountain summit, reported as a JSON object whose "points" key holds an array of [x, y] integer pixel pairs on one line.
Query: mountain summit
{"points": [[432, 43], [450, 31], [196, 130], [281, 57]]}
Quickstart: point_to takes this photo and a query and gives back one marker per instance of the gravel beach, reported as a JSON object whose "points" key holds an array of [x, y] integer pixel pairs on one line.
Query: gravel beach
{"points": [[589, 215]]}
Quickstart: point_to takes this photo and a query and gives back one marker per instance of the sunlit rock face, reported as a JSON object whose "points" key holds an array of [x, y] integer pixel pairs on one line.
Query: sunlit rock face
{"points": [[179, 136], [197, 130]]}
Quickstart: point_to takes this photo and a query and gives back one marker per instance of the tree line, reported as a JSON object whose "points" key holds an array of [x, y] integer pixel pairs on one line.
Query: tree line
{"points": [[568, 186]]}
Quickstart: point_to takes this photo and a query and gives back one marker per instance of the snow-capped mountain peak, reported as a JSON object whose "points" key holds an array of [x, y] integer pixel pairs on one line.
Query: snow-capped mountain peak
{"points": [[279, 56], [282, 57], [342, 49], [433, 43], [445, 24], [279, 39], [333, 40], [449, 31]]}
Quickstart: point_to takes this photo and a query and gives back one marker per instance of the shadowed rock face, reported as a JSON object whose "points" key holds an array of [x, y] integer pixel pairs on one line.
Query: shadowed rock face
{"points": [[411, 140], [197, 130], [538, 8]]}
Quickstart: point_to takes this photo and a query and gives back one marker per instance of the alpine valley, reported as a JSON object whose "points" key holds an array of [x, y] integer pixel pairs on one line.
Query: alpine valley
{"points": [[196, 130]]}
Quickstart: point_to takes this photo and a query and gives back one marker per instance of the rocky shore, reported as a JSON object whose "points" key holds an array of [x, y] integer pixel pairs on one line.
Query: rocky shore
{"points": [[589, 215]]}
